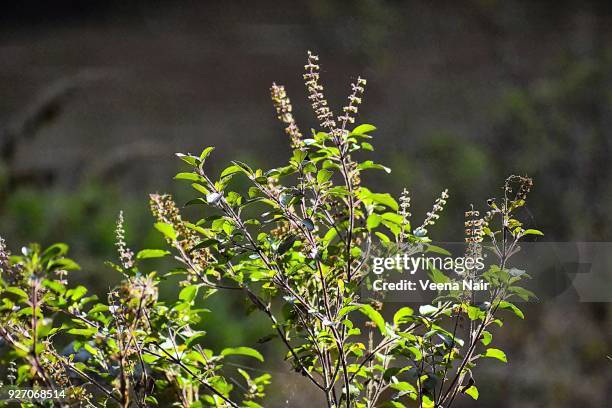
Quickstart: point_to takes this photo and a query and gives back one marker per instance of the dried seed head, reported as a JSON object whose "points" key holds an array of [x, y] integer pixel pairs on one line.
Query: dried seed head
{"points": [[283, 107], [80, 395], [474, 233], [473, 226], [521, 184], [53, 366]]}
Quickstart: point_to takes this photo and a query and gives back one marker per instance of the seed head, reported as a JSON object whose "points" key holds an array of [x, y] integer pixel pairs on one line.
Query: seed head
{"points": [[283, 107]]}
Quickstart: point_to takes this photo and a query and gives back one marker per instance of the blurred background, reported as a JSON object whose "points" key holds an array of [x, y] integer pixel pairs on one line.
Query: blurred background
{"points": [[97, 96]]}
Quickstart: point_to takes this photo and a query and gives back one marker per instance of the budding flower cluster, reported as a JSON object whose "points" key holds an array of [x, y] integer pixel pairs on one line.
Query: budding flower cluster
{"points": [[138, 292], [315, 91], [126, 256], [354, 172], [164, 209], [350, 111], [405, 205], [12, 372], [61, 276], [404, 212], [4, 256], [283, 107], [11, 273], [434, 214]]}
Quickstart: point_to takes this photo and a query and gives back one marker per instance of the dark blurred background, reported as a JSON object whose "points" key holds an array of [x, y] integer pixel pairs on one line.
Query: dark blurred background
{"points": [[96, 96]]}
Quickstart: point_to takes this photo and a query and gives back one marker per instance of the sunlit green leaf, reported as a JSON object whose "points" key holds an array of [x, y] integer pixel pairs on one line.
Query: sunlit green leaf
{"points": [[152, 253], [496, 353], [242, 351]]}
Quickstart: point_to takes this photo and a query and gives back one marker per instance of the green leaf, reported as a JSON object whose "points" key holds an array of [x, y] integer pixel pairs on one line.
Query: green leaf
{"points": [[373, 221], [152, 253], [299, 155], [323, 176], [427, 310], [416, 353], [474, 313], [188, 293], [329, 236], [374, 316], [206, 243], [496, 353], [64, 263], [233, 169], [55, 250], [195, 339], [382, 236], [437, 276], [367, 146], [54, 286], [206, 152], [427, 402], [77, 293], [404, 387], [199, 188], [99, 308], [384, 199], [486, 338], [363, 129], [522, 293], [187, 158], [437, 250], [369, 164], [166, 229], [401, 315], [515, 272], [83, 332], [16, 291], [509, 306], [393, 217], [243, 167], [92, 350], [532, 232], [472, 392], [187, 176], [242, 351]]}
